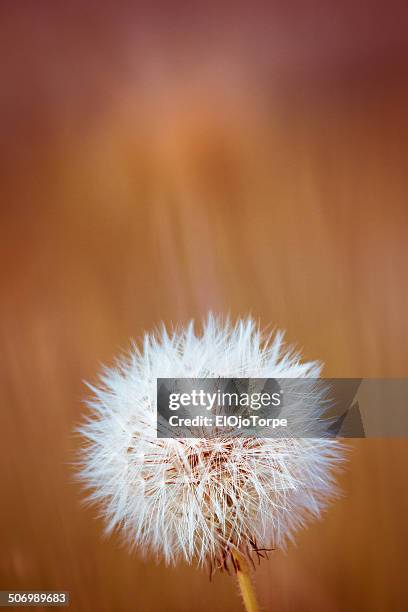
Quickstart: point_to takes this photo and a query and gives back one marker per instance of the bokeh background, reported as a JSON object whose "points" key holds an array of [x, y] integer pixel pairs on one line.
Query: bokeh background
{"points": [[159, 160]]}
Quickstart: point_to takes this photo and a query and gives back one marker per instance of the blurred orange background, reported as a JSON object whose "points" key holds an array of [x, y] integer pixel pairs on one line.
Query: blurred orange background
{"points": [[161, 161]]}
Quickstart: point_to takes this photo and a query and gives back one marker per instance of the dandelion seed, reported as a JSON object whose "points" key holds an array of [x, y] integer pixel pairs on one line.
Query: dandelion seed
{"points": [[225, 502]]}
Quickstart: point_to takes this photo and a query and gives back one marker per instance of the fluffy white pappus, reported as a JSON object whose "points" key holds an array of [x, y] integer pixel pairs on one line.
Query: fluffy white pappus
{"points": [[199, 499]]}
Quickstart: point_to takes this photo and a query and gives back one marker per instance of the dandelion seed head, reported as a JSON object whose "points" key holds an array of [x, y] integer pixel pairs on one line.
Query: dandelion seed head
{"points": [[198, 499]]}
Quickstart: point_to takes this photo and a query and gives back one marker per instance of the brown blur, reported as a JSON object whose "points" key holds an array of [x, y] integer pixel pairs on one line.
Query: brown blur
{"points": [[161, 162]]}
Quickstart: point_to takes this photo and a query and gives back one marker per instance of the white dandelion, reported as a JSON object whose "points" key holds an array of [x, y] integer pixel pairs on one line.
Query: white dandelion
{"points": [[223, 500]]}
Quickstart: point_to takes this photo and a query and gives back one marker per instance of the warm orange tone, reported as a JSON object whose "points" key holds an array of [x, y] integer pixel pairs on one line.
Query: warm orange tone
{"points": [[132, 196]]}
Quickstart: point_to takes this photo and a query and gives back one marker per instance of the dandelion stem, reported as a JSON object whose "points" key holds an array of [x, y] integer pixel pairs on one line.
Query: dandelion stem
{"points": [[245, 582]]}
